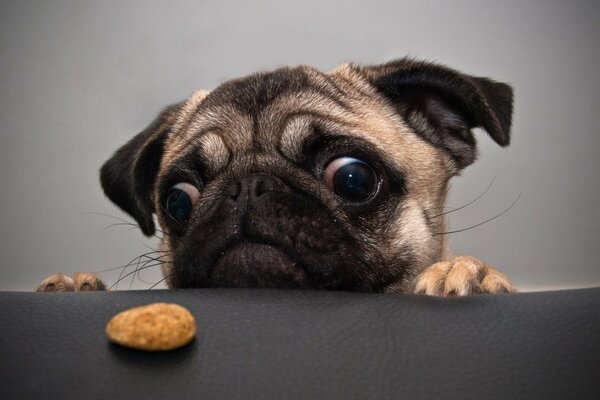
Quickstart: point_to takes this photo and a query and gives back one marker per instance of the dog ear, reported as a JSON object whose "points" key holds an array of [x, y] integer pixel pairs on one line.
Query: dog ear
{"points": [[443, 105], [128, 177]]}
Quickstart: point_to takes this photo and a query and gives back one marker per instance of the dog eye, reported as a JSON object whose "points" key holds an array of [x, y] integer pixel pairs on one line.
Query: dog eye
{"points": [[180, 200], [351, 179]]}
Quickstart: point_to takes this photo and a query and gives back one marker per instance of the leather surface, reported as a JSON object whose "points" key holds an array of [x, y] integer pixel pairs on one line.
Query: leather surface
{"points": [[275, 344]]}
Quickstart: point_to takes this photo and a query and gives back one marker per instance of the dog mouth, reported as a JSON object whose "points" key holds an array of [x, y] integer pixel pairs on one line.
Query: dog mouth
{"points": [[257, 265], [277, 240]]}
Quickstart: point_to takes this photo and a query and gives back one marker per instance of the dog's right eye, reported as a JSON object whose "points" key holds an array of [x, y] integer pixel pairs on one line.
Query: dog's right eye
{"points": [[351, 179], [180, 201]]}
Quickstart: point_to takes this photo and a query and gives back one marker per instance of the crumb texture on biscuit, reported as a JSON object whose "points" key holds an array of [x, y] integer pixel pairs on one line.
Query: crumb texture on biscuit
{"points": [[153, 327]]}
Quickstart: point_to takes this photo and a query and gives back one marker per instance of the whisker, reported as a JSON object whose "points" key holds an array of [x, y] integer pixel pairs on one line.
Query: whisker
{"points": [[133, 278], [143, 267], [175, 238], [141, 262], [124, 222], [157, 259], [170, 216], [484, 222], [139, 259], [130, 262], [107, 216], [136, 271], [469, 203], [120, 224], [160, 281], [154, 250], [150, 248], [139, 275], [165, 234]]}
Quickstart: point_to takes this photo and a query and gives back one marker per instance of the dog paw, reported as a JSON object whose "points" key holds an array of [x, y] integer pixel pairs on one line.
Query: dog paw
{"points": [[87, 281], [80, 282], [57, 283], [461, 276]]}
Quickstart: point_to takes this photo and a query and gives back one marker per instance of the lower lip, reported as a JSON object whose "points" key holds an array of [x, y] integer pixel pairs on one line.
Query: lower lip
{"points": [[257, 265]]}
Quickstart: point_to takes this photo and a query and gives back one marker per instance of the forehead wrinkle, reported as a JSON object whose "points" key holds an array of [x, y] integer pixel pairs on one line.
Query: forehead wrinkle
{"points": [[347, 75], [352, 132], [208, 148], [299, 129], [272, 121], [326, 85], [176, 149], [306, 102], [237, 133], [393, 144], [336, 92], [236, 127], [213, 149], [310, 101], [221, 120], [295, 132]]}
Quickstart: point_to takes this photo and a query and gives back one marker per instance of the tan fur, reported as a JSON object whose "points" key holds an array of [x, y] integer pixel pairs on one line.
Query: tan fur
{"points": [[86, 281], [80, 282], [57, 283], [229, 139], [167, 266], [461, 276]]}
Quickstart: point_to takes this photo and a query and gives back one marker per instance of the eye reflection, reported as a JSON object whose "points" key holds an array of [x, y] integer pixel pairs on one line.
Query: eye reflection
{"points": [[351, 179], [180, 199]]}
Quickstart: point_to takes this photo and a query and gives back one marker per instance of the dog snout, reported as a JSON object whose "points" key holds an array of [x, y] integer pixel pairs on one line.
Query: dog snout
{"points": [[246, 190]]}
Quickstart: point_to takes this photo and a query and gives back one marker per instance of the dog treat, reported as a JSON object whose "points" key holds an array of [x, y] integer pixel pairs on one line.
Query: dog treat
{"points": [[153, 327]]}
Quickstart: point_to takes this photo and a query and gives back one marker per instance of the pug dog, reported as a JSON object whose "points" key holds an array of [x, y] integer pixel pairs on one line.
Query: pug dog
{"points": [[301, 179]]}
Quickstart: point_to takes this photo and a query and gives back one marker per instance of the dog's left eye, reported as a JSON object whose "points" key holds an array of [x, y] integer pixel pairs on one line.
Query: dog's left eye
{"points": [[351, 179], [180, 201]]}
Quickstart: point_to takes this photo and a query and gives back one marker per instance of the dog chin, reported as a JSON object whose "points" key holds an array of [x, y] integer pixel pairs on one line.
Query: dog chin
{"points": [[257, 265]]}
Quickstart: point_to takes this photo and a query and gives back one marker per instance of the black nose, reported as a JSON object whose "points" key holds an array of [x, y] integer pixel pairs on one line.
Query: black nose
{"points": [[248, 189]]}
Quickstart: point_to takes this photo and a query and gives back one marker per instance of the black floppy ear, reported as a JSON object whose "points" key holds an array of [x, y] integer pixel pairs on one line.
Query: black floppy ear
{"points": [[443, 105], [128, 177]]}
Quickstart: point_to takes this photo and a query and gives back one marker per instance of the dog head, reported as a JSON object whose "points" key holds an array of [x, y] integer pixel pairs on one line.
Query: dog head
{"points": [[301, 179]]}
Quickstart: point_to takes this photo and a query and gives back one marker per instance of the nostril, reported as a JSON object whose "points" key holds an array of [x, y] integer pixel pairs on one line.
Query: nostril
{"points": [[247, 189], [261, 184], [233, 190]]}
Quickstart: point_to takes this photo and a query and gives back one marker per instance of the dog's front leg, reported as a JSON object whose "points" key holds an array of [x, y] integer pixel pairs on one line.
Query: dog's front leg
{"points": [[80, 282]]}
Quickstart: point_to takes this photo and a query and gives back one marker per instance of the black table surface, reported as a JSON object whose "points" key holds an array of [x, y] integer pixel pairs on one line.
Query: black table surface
{"points": [[277, 344]]}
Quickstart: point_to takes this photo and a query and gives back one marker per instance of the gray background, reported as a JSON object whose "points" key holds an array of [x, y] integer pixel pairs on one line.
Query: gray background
{"points": [[79, 78]]}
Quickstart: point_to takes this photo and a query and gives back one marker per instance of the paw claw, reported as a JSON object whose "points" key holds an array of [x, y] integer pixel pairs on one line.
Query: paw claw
{"points": [[80, 282], [86, 282], [57, 283], [461, 276]]}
